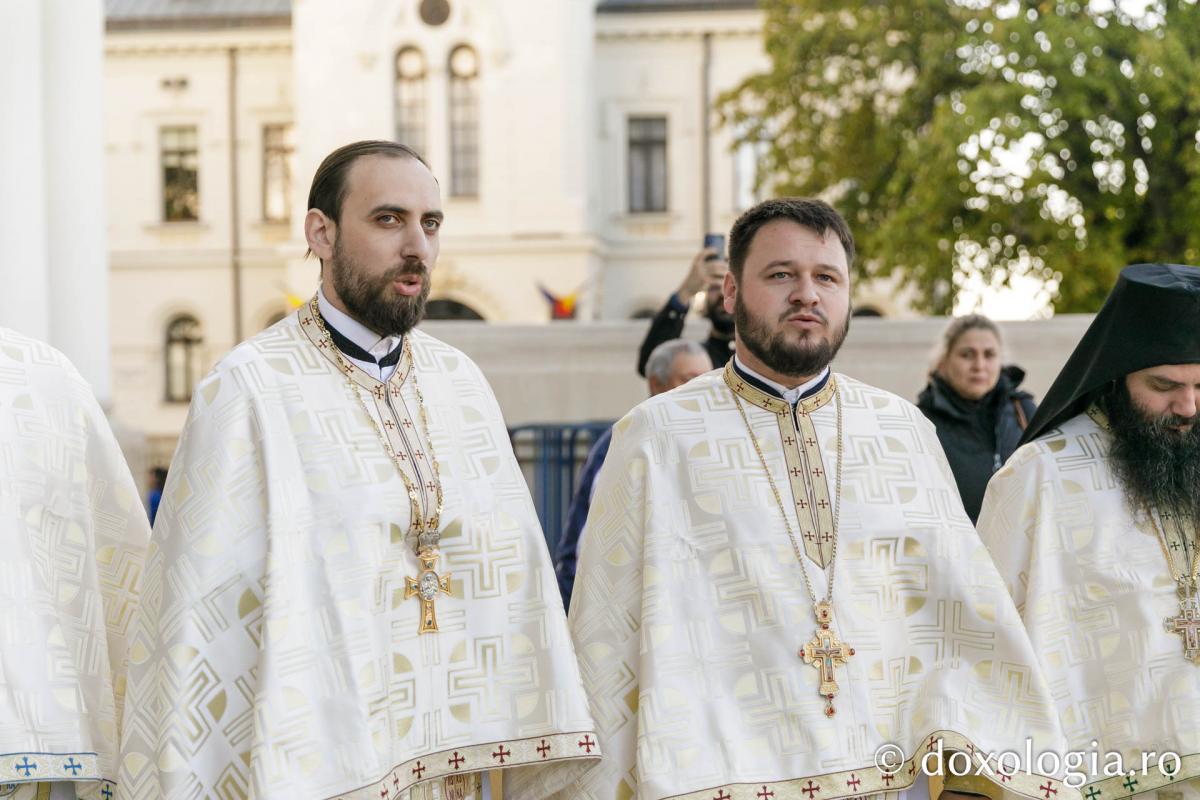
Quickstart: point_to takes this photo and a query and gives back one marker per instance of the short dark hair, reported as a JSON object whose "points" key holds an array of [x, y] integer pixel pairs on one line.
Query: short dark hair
{"points": [[816, 215], [328, 190]]}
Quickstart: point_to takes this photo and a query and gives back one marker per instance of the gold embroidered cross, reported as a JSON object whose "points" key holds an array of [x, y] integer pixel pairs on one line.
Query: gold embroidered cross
{"points": [[426, 586]]}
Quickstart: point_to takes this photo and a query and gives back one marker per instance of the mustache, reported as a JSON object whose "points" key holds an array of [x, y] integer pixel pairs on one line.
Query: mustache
{"points": [[1175, 421], [414, 266], [794, 310]]}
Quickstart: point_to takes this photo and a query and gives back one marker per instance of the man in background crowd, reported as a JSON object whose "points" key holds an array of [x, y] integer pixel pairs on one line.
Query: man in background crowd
{"points": [[707, 273]]}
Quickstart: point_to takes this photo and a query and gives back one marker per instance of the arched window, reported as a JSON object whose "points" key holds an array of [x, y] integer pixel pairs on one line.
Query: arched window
{"points": [[450, 310], [410, 98], [464, 122], [184, 339]]}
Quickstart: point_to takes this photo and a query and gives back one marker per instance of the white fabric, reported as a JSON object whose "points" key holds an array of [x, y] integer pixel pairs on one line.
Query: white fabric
{"points": [[1093, 586], [73, 534], [689, 610], [277, 654], [378, 346]]}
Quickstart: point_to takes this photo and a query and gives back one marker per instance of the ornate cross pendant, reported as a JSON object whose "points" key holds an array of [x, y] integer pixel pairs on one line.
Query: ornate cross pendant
{"points": [[825, 652], [1187, 625], [426, 586]]}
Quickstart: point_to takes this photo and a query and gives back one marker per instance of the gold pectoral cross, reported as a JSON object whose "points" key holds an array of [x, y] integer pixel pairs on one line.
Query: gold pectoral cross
{"points": [[1187, 625], [825, 652], [426, 586]]}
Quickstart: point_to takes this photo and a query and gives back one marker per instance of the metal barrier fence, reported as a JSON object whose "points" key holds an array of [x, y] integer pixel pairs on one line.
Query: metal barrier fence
{"points": [[550, 456]]}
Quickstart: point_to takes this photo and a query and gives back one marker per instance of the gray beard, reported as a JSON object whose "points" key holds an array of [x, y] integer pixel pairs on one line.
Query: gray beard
{"points": [[1157, 468]]}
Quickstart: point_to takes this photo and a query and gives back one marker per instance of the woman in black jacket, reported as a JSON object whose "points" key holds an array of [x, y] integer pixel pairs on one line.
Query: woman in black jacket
{"points": [[975, 405]]}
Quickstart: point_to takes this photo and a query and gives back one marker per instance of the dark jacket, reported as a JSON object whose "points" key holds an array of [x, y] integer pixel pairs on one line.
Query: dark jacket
{"points": [[566, 553], [667, 325], [978, 436]]}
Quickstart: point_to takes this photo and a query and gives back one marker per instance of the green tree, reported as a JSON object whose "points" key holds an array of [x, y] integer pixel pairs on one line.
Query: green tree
{"points": [[1055, 139]]}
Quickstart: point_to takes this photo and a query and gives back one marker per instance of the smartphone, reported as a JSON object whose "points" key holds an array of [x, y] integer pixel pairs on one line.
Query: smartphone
{"points": [[715, 241]]}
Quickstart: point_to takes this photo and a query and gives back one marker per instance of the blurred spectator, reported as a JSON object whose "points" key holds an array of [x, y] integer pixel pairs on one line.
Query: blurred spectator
{"points": [[707, 272], [673, 363], [975, 405], [158, 482]]}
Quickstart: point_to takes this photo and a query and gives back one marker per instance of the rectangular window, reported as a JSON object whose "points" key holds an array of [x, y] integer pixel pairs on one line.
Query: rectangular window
{"points": [[278, 150], [180, 157], [647, 164], [748, 161], [464, 137]]}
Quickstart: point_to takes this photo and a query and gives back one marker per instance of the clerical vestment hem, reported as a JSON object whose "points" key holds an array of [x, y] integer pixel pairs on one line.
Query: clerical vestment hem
{"points": [[33, 767], [870, 779], [1139, 783], [559, 747]]}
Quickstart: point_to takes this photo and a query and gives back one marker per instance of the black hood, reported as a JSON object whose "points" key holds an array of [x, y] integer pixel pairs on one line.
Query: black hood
{"points": [[1151, 318]]}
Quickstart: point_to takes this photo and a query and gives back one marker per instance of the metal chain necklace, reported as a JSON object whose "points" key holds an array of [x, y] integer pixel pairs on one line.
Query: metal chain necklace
{"points": [[824, 651], [1187, 623], [428, 582]]}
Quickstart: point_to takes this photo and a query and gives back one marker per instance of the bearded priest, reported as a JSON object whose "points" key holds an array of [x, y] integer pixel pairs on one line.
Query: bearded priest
{"points": [[1093, 524], [73, 535], [349, 594], [778, 588]]}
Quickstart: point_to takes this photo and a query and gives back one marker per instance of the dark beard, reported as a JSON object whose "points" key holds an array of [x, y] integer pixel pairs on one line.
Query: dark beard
{"points": [[1157, 467], [801, 360], [373, 301]]}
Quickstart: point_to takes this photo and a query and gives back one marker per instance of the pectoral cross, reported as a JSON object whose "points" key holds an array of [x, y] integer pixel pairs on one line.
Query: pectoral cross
{"points": [[1187, 625], [426, 586], [825, 652]]}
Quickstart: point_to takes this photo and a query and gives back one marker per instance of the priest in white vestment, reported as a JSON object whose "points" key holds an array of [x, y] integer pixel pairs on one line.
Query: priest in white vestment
{"points": [[777, 578], [1093, 524], [73, 534], [348, 590]]}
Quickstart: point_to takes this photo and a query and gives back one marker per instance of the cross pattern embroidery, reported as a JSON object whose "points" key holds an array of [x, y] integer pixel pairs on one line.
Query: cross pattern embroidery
{"points": [[502, 754], [418, 770], [72, 766], [763, 794], [811, 790], [543, 748], [26, 766], [1048, 789], [586, 744], [456, 761]]}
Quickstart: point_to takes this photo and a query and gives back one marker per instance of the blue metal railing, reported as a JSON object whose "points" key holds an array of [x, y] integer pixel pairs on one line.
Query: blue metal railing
{"points": [[551, 456]]}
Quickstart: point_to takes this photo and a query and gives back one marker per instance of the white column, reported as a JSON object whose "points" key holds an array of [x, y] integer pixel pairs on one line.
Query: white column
{"points": [[75, 202], [24, 302]]}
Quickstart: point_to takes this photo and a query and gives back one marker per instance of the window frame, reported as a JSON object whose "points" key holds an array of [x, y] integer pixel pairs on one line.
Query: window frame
{"points": [[178, 154], [643, 150]]}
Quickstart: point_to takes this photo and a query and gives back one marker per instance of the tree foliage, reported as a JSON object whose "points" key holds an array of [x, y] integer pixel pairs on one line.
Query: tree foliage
{"points": [[1054, 139]]}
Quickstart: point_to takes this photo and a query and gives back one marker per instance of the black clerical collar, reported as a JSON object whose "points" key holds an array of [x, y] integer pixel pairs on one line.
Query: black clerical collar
{"points": [[763, 386], [351, 350]]}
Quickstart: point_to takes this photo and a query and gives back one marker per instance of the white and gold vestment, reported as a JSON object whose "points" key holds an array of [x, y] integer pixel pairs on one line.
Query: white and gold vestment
{"points": [[1091, 581], [278, 656], [690, 610], [73, 534]]}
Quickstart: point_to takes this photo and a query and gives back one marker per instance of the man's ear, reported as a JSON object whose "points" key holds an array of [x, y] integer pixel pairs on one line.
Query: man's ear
{"points": [[320, 232], [729, 289]]}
